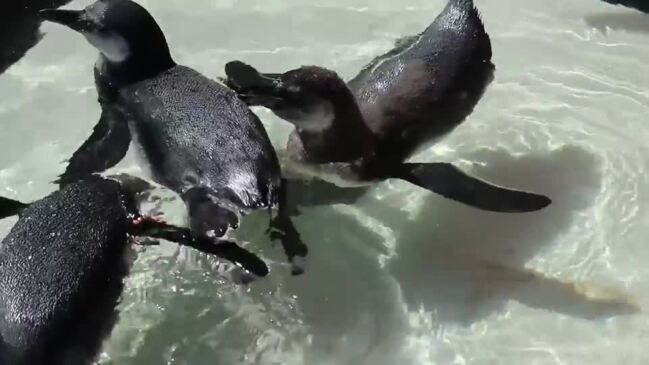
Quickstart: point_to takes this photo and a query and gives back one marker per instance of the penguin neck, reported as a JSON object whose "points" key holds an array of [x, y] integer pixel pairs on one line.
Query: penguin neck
{"points": [[135, 68], [347, 138]]}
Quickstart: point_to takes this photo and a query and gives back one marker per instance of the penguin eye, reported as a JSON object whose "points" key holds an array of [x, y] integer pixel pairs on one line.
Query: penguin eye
{"points": [[294, 90]]}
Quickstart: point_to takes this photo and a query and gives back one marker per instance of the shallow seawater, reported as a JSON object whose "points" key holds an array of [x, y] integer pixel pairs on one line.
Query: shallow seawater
{"points": [[402, 276]]}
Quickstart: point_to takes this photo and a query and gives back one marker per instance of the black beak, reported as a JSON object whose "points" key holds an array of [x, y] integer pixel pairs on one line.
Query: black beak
{"points": [[74, 19], [244, 76], [253, 87]]}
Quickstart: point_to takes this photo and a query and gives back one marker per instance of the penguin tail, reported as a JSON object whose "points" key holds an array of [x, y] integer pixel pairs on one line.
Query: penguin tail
{"points": [[207, 217], [209, 221], [452, 183], [9, 207]]}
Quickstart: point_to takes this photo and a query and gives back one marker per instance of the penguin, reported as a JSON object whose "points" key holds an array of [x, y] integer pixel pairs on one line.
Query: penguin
{"points": [[63, 265], [363, 131], [193, 134], [20, 25], [641, 5]]}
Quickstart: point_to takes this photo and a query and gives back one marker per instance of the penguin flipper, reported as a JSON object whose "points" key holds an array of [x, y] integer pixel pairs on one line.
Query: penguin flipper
{"points": [[225, 249], [10, 207], [450, 182], [106, 146], [232, 252]]}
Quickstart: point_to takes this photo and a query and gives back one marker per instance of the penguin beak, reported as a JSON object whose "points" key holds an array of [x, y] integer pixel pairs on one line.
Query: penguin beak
{"points": [[252, 98], [74, 19], [271, 97], [253, 87]]}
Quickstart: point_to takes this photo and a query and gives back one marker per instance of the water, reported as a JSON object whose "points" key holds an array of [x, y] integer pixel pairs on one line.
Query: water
{"points": [[402, 276]]}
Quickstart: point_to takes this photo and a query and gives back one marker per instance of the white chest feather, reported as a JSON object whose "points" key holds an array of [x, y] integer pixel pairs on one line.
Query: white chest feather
{"points": [[113, 46]]}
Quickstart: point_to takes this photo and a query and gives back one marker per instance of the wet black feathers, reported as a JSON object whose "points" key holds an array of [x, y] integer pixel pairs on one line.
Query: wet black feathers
{"points": [[56, 262], [188, 123], [642, 5], [429, 83]]}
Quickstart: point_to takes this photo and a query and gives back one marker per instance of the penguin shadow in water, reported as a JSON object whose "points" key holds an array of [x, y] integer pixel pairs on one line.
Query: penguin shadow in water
{"points": [[465, 264], [460, 262], [19, 30], [630, 21], [456, 261]]}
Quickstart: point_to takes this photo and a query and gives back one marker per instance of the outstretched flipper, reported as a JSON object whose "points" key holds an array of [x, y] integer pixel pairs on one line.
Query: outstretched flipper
{"points": [[9, 207], [282, 229], [225, 249], [106, 146], [450, 182]]}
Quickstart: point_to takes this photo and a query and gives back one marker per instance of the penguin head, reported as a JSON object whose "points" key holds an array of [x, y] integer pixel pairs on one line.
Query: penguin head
{"points": [[309, 97], [124, 33]]}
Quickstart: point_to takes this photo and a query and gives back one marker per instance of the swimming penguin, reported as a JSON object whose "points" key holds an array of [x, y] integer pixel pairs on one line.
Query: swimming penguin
{"points": [[62, 265], [363, 131], [195, 135], [641, 5]]}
